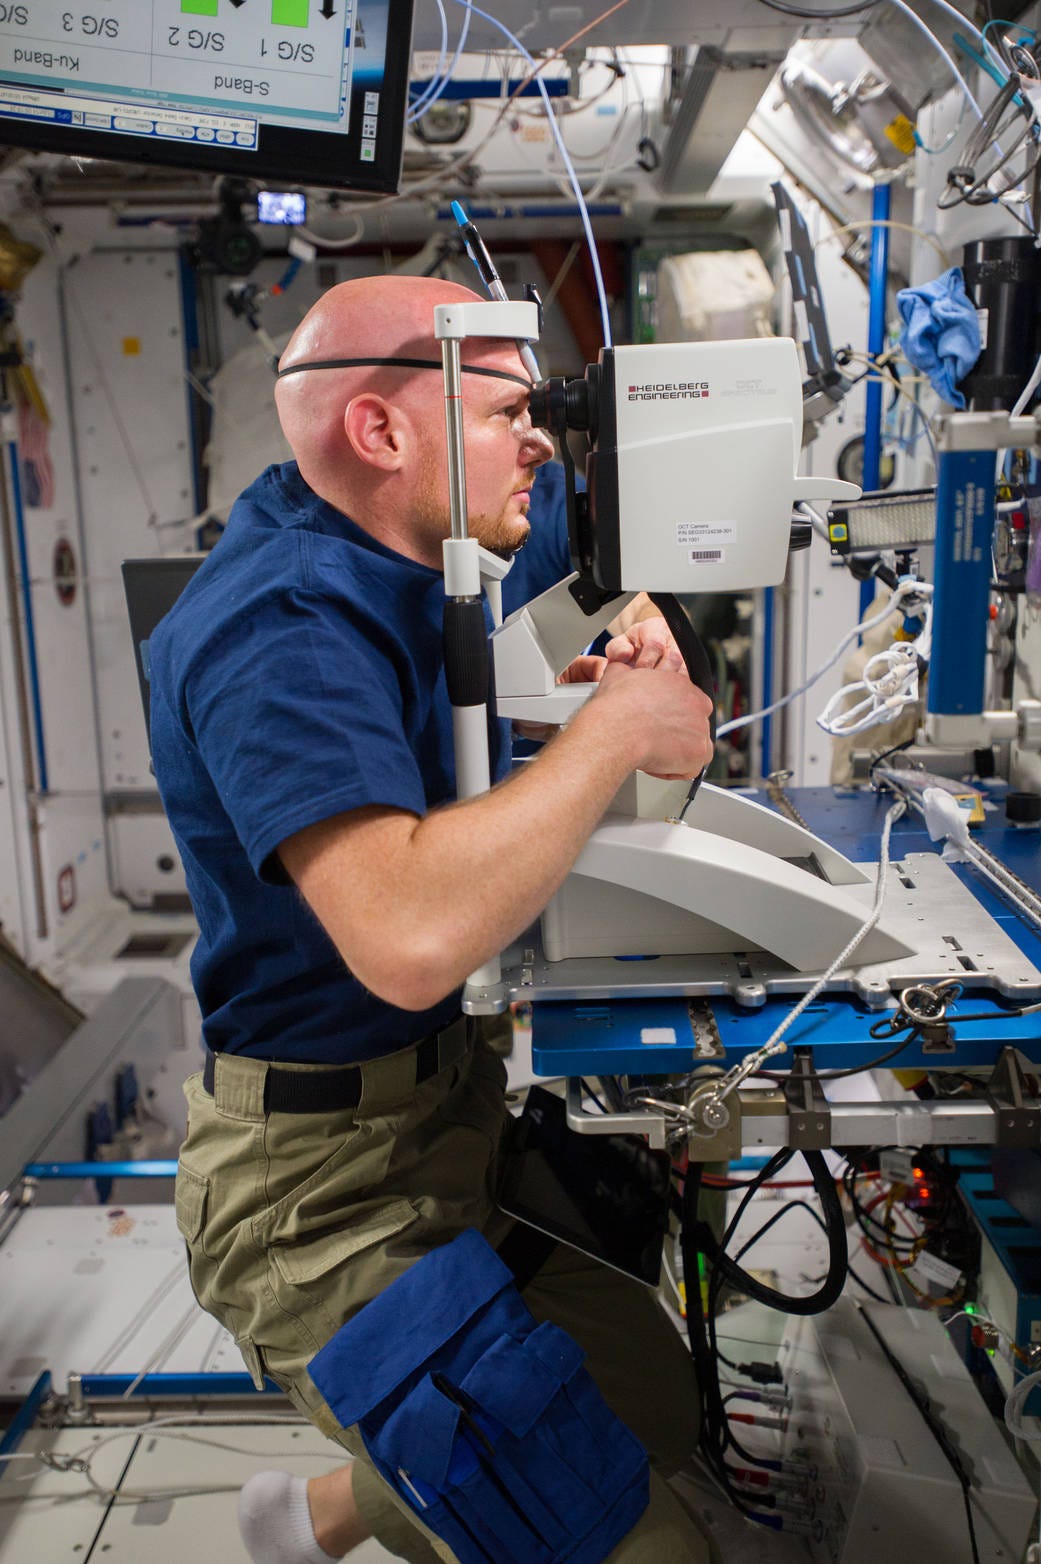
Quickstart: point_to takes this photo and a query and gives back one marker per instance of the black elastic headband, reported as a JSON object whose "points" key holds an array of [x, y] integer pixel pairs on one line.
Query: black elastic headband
{"points": [[399, 363]]}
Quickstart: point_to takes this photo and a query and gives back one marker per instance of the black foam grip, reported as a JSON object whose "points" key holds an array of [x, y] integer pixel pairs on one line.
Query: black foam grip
{"points": [[466, 652], [694, 655]]}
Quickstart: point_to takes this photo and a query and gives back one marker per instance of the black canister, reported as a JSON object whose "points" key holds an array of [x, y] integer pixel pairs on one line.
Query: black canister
{"points": [[1003, 280]]}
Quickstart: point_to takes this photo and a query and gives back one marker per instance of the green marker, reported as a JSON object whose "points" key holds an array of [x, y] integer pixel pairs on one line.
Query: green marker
{"points": [[290, 13], [199, 7]]}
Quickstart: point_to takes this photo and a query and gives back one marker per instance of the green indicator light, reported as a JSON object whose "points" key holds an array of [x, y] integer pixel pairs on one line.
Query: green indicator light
{"points": [[970, 1308], [199, 7], [290, 13]]}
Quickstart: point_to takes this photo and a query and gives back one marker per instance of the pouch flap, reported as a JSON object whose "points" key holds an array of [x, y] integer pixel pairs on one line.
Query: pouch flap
{"points": [[557, 1350], [394, 1335], [420, 1435], [514, 1384]]}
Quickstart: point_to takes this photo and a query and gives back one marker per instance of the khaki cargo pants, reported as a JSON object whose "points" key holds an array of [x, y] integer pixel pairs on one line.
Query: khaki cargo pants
{"points": [[294, 1221]]}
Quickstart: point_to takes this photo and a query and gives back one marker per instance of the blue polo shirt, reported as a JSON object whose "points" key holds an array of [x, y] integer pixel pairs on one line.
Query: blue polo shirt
{"points": [[298, 676]]}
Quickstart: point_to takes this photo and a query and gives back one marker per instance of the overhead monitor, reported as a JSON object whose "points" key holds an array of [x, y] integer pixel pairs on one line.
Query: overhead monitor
{"points": [[295, 91]]}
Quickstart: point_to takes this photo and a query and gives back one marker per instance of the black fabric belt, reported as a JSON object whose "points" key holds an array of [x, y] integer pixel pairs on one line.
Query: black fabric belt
{"points": [[319, 1091]]}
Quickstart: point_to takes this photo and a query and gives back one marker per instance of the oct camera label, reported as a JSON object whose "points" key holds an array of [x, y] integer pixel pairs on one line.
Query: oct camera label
{"points": [[705, 534]]}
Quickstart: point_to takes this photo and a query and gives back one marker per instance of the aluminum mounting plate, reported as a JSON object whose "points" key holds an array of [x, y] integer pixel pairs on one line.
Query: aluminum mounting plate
{"points": [[926, 905]]}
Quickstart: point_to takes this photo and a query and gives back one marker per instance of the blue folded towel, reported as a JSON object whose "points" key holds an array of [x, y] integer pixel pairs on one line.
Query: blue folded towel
{"points": [[941, 334]]}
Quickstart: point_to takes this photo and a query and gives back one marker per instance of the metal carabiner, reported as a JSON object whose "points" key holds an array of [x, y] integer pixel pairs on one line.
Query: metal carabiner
{"points": [[935, 997]]}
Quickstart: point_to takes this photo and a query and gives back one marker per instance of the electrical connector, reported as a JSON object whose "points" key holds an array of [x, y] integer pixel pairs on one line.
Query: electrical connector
{"points": [[762, 1373]]}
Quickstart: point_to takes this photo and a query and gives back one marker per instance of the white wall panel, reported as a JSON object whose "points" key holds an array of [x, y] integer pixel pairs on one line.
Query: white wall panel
{"points": [[15, 914], [75, 871], [70, 831], [127, 349]]}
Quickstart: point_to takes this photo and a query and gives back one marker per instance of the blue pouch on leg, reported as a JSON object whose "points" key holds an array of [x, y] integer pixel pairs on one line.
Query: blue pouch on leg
{"points": [[485, 1422]]}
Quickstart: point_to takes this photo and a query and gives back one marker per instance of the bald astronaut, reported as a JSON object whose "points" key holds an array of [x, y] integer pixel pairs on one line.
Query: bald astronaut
{"points": [[348, 1119]]}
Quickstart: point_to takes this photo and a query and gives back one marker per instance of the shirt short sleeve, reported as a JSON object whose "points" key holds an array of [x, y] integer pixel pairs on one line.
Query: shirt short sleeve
{"points": [[298, 717]]}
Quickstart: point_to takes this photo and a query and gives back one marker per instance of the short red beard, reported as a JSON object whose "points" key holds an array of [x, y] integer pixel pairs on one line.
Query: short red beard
{"points": [[501, 534]]}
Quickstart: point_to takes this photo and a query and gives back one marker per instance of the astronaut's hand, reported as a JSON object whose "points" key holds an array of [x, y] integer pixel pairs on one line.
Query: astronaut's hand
{"points": [[646, 644]]}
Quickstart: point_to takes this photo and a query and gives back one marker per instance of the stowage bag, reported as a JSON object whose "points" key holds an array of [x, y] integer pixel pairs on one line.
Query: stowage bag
{"points": [[484, 1421]]}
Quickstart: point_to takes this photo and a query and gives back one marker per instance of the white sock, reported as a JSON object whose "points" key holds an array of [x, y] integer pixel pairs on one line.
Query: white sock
{"points": [[275, 1521]]}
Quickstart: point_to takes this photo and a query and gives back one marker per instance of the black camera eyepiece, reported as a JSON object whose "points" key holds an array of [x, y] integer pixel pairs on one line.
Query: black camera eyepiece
{"points": [[562, 404]]}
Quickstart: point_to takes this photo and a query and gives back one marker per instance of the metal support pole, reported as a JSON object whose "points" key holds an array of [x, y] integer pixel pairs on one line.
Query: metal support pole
{"points": [[466, 647], [877, 279], [451, 364]]}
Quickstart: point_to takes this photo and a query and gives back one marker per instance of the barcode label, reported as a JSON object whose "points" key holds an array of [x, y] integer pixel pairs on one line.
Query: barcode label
{"points": [[706, 556]]}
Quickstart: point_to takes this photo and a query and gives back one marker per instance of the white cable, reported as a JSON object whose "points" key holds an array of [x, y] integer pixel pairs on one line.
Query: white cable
{"points": [[1028, 390], [773, 1043], [1019, 406], [173, 1427], [437, 79], [754, 1061], [1014, 1409], [166, 1346], [889, 683], [868, 624], [981, 1319], [966, 25], [335, 244], [449, 71], [169, 1282], [923, 27], [605, 319], [886, 222]]}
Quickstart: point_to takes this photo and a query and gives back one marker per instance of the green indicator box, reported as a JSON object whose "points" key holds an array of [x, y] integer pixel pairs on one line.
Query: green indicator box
{"points": [[199, 7], [290, 13]]}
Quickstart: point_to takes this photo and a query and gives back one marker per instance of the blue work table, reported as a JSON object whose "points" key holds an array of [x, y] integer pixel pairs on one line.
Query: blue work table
{"points": [[631, 1036]]}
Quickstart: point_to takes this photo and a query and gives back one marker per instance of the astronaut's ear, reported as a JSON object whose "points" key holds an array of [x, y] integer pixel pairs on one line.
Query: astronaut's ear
{"points": [[372, 428]]}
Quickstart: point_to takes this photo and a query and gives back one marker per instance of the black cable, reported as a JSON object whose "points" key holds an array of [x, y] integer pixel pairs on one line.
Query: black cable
{"points": [[869, 1290], [864, 1219], [699, 669], [900, 1241], [819, 16], [914, 1032], [834, 1226], [591, 1093], [966, 1494], [872, 1064], [716, 1434], [885, 756], [706, 1367], [692, 648], [780, 1159], [858, 1069], [789, 1205]]}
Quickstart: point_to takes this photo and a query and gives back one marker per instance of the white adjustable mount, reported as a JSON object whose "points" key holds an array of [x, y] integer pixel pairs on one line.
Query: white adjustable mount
{"points": [[467, 666]]}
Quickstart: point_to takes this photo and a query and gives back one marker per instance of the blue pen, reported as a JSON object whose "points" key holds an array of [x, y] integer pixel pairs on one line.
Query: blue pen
{"points": [[485, 268]]}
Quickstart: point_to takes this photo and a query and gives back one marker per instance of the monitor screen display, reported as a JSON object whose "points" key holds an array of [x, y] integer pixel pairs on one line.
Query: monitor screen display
{"points": [[301, 91], [281, 206]]}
